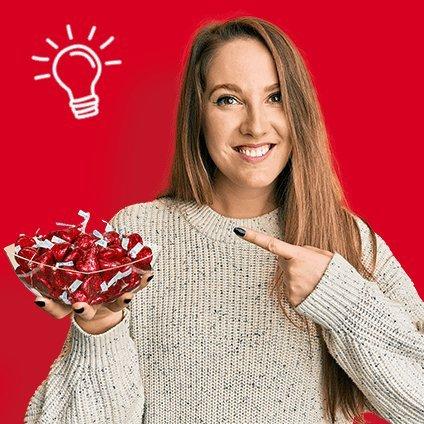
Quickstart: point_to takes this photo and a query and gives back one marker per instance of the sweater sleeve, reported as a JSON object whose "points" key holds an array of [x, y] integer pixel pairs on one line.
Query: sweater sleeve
{"points": [[95, 379], [375, 332]]}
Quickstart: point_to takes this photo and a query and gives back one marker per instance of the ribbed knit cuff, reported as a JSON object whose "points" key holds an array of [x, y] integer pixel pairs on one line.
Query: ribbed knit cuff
{"points": [[95, 349], [336, 294]]}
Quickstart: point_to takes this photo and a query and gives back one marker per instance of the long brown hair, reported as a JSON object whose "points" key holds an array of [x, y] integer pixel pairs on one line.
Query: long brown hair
{"points": [[315, 210]]}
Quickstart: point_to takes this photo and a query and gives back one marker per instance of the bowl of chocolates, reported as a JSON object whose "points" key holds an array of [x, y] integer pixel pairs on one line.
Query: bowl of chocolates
{"points": [[71, 265]]}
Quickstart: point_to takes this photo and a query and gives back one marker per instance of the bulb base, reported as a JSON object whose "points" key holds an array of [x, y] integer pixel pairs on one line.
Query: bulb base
{"points": [[85, 107]]}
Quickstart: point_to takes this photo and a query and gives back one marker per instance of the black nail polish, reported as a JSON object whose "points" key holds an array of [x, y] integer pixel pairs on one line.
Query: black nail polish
{"points": [[78, 311], [40, 303], [239, 231], [148, 279], [127, 300]]}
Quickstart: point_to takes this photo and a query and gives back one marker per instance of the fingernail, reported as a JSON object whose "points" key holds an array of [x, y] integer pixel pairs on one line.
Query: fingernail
{"points": [[127, 300], [40, 303], [78, 311], [239, 231], [149, 278]]}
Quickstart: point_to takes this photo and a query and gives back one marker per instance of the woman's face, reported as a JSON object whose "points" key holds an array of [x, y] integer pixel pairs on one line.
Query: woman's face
{"points": [[247, 112]]}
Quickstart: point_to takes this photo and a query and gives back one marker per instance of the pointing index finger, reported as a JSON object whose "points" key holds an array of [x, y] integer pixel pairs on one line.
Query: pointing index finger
{"points": [[272, 244]]}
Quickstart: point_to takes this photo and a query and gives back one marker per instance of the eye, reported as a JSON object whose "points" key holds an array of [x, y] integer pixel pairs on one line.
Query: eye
{"points": [[222, 101], [218, 102], [277, 94]]}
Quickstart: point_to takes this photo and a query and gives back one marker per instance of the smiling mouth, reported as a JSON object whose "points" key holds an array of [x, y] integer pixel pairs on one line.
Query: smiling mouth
{"points": [[253, 151], [254, 155]]}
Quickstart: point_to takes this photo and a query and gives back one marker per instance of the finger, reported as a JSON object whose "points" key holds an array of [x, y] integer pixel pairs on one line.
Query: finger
{"points": [[272, 244], [316, 249], [122, 301], [144, 281], [84, 310], [119, 304], [56, 309], [311, 247]]}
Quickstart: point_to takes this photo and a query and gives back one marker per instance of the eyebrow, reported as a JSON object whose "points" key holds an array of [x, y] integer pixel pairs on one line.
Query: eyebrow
{"points": [[235, 87]]}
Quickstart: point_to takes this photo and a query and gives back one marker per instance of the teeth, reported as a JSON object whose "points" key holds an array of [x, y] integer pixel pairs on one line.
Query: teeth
{"points": [[260, 151]]}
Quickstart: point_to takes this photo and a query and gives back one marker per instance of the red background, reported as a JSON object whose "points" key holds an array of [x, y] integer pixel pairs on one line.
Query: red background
{"points": [[366, 61]]}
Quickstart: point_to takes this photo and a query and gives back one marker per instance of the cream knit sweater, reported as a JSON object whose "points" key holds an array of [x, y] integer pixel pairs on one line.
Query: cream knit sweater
{"points": [[206, 343]]}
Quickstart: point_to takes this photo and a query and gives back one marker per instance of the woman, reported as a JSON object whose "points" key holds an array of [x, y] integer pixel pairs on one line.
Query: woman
{"points": [[215, 338]]}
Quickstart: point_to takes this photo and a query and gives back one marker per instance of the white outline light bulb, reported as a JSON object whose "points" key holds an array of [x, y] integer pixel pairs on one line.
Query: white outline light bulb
{"points": [[86, 106]]}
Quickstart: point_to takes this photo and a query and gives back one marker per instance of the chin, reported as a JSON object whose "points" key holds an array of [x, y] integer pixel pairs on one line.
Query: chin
{"points": [[254, 183]]}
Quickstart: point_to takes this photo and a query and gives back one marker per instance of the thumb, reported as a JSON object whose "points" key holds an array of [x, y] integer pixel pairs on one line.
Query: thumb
{"points": [[56, 309], [84, 310]]}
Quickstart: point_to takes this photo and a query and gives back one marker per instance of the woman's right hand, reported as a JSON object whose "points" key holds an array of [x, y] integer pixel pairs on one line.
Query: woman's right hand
{"points": [[94, 319]]}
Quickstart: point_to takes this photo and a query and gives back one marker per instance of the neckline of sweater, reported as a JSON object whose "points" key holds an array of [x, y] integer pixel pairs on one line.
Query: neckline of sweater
{"points": [[220, 228]]}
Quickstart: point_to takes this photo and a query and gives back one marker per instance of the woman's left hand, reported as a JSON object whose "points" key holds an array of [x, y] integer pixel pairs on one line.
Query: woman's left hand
{"points": [[304, 266]]}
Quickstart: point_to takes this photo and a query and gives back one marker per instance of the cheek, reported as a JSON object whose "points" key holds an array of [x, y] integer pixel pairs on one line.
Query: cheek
{"points": [[218, 123], [218, 129], [280, 124], [282, 158], [219, 150]]}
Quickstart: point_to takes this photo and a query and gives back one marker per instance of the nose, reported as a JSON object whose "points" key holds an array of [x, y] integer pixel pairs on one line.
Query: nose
{"points": [[255, 122]]}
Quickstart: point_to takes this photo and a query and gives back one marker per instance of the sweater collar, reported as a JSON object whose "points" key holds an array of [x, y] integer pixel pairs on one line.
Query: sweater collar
{"points": [[220, 228]]}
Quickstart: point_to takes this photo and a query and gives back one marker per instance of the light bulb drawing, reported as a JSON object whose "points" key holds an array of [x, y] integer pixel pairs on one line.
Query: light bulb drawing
{"points": [[80, 85]]}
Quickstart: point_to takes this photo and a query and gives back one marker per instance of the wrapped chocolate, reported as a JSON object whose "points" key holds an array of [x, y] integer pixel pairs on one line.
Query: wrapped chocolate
{"points": [[70, 265]]}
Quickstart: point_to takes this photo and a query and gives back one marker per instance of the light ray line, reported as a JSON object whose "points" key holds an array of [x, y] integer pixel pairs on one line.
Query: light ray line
{"points": [[107, 42], [92, 31], [42, 76], [113, 62], [40, 58], [69, 31], [52, 43]]}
